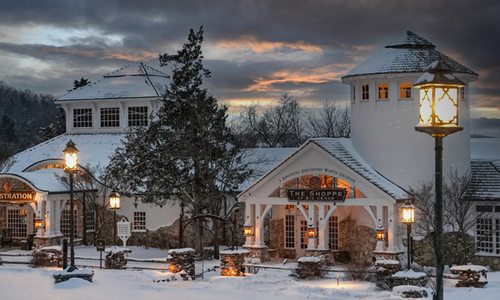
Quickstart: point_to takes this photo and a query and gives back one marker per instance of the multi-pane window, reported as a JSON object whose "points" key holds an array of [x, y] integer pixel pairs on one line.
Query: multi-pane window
{"points": [[365, 92], [333, 233], [138, 116], [90, 221], [110, 117], [139, 220], [82, 117], [405, 90], [66, 222], [484, 235], [303, 233], [289, 231], [383, 91], [353, 93], [17, 220]]}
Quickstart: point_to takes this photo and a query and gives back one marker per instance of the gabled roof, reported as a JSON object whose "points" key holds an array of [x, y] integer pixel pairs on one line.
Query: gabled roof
{"points": [[136, 80], [343, 150], [485, 180], [413, 55]]}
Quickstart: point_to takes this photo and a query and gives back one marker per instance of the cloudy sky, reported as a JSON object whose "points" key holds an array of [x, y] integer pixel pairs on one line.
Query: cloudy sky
{"points": [[256, 50]]}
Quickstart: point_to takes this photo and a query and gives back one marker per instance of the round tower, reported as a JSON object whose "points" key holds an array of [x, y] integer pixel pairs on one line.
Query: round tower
{"points": [[385, 111]]}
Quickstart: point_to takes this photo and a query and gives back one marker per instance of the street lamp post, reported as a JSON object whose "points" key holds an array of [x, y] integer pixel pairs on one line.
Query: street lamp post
{"points": [[408, 219], [438, 118], [114, 204], [71, 167]]}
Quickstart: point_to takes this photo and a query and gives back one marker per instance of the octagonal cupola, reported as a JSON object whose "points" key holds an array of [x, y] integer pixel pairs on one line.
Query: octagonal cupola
{"points": [[384, 112]]}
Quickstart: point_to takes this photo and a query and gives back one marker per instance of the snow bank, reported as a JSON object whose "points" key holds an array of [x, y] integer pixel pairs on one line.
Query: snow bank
{"points": [[305, 259]]}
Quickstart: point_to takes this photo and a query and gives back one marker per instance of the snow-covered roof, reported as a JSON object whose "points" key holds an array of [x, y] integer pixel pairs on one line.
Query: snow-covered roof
{"points": [[413, 55], [261, 160], [486, 180], [136, 80], [43, 180], [95, 150], [343, 150]]}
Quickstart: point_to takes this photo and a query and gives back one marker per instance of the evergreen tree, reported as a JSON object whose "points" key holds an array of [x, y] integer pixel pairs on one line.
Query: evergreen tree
{"points": [[80, 83], [188, 152]]}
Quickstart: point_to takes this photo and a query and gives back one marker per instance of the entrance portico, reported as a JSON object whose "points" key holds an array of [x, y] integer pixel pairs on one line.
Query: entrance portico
{"points": [[319, 167], [27, 196]]}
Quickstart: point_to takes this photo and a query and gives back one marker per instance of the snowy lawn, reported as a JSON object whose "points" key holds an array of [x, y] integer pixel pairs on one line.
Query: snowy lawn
{"points": [[22, 282]]}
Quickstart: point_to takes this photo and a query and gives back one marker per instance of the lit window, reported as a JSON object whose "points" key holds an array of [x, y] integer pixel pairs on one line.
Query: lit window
{"points": [[139, 220], [138, 116], [383, 91], [289, 231], [82, 117], [365, 92], [17, 221], [110, 117], [405, 90], [353, 93], [333, 233]]}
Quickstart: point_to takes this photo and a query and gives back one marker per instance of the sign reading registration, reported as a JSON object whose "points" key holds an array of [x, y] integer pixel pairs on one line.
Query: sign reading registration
{"points": [[316, 195]]}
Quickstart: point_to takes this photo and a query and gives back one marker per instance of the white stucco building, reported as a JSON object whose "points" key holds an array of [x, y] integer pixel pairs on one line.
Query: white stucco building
{"points": [[375, 167]]}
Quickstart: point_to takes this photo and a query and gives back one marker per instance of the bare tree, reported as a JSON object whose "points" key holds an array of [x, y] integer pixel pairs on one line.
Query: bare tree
{"points": [[459, 217], [280, 126], [331, 120]]}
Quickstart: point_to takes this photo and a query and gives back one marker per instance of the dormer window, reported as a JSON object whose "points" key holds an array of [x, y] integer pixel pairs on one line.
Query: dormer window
{"points": [[82, 117], [365, 92], [138, 116], [110, 117], [383, 91]]}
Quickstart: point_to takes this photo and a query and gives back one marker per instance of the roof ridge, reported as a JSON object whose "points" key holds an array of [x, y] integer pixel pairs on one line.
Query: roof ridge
{"points": [[413, 41]]}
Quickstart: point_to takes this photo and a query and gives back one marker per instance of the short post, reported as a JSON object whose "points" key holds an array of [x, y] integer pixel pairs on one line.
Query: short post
{"points": [[65, 253]]}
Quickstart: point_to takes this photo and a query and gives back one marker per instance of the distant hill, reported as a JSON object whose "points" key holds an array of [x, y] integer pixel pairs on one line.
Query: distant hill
{"points": [[488, 127], [25, 118]]}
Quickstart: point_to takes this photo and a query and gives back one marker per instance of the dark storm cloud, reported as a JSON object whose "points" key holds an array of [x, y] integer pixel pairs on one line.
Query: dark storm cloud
{"points": [[345, 31]]}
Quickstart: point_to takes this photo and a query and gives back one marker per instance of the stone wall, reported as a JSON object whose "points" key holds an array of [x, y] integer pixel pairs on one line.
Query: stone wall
{"points": [[492, 261], [276, 235], [358, 240]]}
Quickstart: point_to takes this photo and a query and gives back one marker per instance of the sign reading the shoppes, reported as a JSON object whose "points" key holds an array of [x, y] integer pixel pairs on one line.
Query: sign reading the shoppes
{"points": [[316, 194]]}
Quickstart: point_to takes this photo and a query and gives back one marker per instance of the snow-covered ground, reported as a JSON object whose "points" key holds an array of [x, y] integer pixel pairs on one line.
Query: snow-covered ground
{"points": [[22, 282]]}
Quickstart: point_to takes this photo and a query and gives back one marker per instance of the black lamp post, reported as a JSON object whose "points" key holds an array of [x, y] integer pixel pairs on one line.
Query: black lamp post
{"points": [[408, 219], [438, 118], [71, 167], [114, 204]]}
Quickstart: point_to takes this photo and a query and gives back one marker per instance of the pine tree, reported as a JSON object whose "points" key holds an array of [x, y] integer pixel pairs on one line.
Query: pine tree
{"points": [[188, 152]]}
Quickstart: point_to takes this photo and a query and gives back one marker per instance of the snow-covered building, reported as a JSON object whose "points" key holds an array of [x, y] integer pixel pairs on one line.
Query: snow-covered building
{"points": [[380, 162], [294, 207]]}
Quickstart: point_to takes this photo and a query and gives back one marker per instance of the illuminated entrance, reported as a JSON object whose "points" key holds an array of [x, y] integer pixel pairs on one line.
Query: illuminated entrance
{"points": [[17, 212]]}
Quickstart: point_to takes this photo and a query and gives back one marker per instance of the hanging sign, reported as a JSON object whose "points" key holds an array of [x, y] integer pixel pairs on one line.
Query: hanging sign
{"points": [[13, 196], [123, 230], [316, 194]]}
